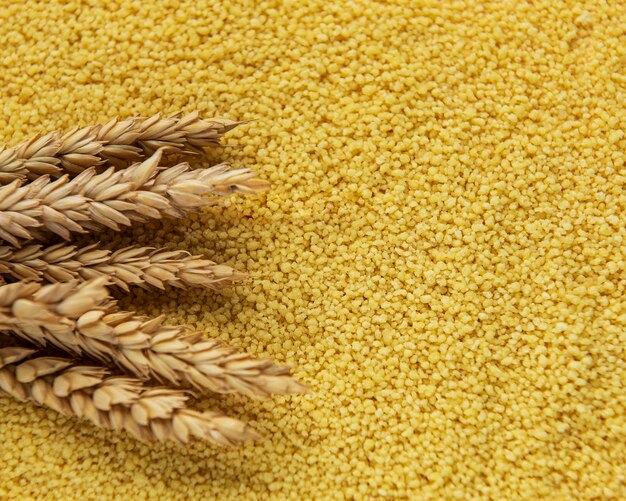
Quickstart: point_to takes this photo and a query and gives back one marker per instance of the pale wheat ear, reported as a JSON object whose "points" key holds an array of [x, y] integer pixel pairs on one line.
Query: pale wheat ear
{"points": [[145, 267], [114, 199], [77, 318], [117, 143], [119, 403]]}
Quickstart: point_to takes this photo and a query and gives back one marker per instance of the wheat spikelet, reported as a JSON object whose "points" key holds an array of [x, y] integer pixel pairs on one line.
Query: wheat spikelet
{"points": [[78, 318], [132, 139], [141, 266], [113, 199], [117, 142], [119, 403], [36, 156]]}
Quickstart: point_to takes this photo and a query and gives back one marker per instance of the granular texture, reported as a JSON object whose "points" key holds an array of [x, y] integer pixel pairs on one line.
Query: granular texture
{"points": [[442, 254]]}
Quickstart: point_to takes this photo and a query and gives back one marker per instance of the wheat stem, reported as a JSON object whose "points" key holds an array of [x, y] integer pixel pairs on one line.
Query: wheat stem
{"points": [[142, 266], [116, 142], [114, 199], [79, 319], [90, 392]]}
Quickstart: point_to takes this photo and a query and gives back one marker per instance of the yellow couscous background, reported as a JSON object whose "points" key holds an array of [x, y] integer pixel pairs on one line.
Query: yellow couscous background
{"points": [[442, 254]]}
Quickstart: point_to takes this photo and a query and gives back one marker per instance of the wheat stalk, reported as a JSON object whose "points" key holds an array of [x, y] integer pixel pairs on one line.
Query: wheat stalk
{"points": [[113, 199], [119, 403], [78, 318], [142, 266], [116, 142]]}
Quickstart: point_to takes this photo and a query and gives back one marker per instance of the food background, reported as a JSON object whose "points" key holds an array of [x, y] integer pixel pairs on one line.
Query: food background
{"points": [[441, 254]]}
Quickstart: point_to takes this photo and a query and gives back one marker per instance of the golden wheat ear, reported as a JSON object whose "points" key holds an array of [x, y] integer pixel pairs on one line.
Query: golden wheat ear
{"points": [[114, 199], [79, 319], [141, 266], [117, 143], [119, 403]]}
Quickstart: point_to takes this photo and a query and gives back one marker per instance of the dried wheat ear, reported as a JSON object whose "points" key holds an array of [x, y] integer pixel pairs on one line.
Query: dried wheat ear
{"points": [[80, 319], [117, 143], [113, 199], [141, 266], [120, 403], [74, 312]]}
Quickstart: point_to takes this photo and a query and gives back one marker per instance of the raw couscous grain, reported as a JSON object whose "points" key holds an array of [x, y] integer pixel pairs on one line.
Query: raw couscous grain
{"points": [[442, 253]]}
